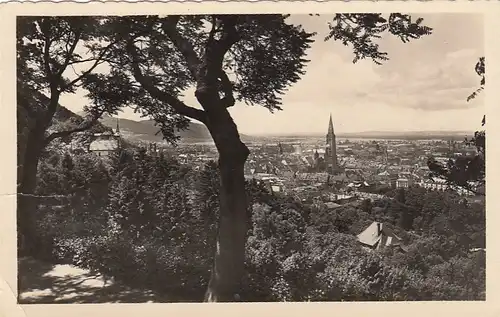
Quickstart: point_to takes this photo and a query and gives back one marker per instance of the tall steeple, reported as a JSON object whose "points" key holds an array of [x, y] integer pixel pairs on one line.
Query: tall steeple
{"points": [[117, 125], [117, 135], [330, 126], [331, 150]]}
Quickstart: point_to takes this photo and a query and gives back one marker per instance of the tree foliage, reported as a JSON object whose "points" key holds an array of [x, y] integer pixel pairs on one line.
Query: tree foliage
{"points": [[256, 56], [50, 61], [259, 56], [361, 30]]}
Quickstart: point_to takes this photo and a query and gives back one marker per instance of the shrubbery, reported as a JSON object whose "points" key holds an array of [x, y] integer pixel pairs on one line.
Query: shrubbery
{"points": [[151, 222]]}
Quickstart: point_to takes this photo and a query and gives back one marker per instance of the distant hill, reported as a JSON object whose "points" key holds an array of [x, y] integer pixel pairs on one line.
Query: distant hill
{"points": [[28, 105], [195, 131], [408, 135], [404, 133], [145, 130]]}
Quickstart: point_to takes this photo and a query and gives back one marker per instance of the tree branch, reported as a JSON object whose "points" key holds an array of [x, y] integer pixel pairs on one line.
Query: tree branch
{"points": [[82, 75], [98, 60], [46, 59], [70, 53], [229, 37], [182, 44], [146, 82], [211, 35], [91, 59], [85, 126], [215, 52]]}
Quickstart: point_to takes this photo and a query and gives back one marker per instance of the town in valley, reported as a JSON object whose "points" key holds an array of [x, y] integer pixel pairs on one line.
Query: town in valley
{"points": [[330, 171]]}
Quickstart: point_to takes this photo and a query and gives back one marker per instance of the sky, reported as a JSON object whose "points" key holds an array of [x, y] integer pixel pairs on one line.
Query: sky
{"points": [[423, 87]]}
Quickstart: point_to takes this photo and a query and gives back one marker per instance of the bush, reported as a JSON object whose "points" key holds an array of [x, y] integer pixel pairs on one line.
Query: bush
{"points": [[160, 267]]}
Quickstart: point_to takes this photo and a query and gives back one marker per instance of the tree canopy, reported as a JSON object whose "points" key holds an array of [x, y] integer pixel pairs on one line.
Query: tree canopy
{"points": [[362, 29], [48, 50]]}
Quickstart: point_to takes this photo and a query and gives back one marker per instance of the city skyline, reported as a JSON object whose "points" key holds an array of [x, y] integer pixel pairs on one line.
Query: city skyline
{"points": [[423, 84], [375, 134]]}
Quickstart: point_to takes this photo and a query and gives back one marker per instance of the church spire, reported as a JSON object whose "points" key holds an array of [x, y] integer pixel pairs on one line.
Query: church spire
{"points": [[117, 125], [331, 147], [330, 125]]}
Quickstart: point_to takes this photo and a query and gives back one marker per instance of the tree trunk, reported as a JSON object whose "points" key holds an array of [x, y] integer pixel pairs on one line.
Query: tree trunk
{"points": [[26, 204], [229, 260]]}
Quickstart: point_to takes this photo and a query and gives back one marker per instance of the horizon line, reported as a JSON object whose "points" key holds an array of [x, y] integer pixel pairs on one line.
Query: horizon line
{"points": [[338, 134], [292, 134]]}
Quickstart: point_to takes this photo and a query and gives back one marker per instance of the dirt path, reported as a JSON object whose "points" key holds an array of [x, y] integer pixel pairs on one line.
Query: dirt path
{"points": [[41, 282]]}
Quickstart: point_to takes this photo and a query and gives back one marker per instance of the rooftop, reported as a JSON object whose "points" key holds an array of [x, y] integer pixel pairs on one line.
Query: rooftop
{"points": [[104, 145]]}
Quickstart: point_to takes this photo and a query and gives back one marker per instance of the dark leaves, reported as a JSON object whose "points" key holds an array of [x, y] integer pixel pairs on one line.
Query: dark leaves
{"points": [[50, 44], [108, 92], [467, 171], [268, 58], [361, 30], [475, 93], [57, 55], [480, 70]]}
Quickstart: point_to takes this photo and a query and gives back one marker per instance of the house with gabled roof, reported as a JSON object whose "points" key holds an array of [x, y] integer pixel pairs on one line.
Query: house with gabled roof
{"points": [[377, 236], [106, 143]]}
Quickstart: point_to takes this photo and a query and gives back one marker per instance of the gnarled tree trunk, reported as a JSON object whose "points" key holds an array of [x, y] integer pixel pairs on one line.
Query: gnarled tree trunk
{"points": [[211, 82], [26, 203], [228, 267]]}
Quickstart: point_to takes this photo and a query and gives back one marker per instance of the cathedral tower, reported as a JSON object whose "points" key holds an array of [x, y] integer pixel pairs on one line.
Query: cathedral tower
{"points": [[331, 148]]}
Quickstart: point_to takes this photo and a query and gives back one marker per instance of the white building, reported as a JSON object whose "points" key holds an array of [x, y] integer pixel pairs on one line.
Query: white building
{"points": [[377, 236], [402, 183], [435, 184], [106, 143]]}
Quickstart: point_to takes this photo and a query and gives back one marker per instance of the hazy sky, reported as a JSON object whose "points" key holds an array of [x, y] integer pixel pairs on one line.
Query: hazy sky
{"points": [[423, 86]]}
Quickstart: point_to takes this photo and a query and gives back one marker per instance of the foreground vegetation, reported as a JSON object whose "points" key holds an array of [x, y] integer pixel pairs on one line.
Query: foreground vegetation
{"points": [[150, 222]]}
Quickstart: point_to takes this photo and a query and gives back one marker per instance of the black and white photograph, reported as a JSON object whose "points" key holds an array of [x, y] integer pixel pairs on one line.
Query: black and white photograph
{"points": [[271, 157]]}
